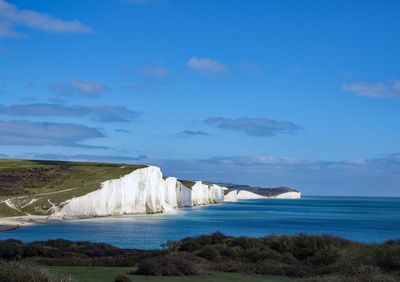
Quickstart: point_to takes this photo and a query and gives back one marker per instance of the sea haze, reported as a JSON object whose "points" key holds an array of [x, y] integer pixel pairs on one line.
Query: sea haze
{"points": [[363, 219]]}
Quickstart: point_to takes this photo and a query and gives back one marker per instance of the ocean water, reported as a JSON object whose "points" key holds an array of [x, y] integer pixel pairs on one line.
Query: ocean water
{"points": [[363, 219]]}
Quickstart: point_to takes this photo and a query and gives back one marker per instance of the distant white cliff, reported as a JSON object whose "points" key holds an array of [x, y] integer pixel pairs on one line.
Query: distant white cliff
{"points": [[288, 195], [234, 195], [231, 196], [246, 195]]}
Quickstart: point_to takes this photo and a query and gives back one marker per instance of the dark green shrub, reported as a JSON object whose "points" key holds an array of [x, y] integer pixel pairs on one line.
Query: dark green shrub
{"points": [[325, 255], [247, 243], [259, 254], [58, 243], [10, 249], [230, 252], [22, 272], [210, 253], [228, 266], [388, 258], [274, 267], [282, 244], [393, 242], [123, 278], [174, 264], [189, 245]]}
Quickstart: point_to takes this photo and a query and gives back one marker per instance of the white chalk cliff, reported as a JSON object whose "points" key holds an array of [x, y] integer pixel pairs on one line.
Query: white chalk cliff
{"points": [[231, 196], [142, 191], [246, 195], [288, 195], [234, 195], [146, 191]]}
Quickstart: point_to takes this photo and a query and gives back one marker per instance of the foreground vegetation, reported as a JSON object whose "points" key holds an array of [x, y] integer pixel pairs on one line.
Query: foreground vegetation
{"points": [[32, 186], [206, 258], [109, 274]]}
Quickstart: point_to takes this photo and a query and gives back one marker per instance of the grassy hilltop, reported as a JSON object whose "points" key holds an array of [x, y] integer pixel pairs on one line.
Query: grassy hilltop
{"points": [[32, 186]]}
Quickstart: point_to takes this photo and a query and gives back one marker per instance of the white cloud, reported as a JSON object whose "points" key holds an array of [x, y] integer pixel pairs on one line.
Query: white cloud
{"points": [[89, 87], [83, 87], [12, 16], [254, 126], [154, 71], [375, 90], [7, 30], [206, 65], [22, 132], [99, 113]]}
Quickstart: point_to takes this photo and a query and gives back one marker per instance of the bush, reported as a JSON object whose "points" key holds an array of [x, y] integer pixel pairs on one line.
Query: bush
{"points": [[210, 253], [325, 256], [175, 264], [10, 249], [22, 272], [123, 278], [388, 258]]}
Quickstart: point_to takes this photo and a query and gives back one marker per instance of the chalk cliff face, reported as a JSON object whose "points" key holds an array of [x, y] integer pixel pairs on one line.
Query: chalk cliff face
{"points": [[170, 192], [142, 191], [231, 196], [246, 195], [288, 195], [234, 195], [215, 194], [183, 195], [199, 194]]}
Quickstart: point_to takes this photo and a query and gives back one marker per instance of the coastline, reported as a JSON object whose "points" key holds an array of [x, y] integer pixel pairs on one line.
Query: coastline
{"points": [[15, 222], [11, 223]]}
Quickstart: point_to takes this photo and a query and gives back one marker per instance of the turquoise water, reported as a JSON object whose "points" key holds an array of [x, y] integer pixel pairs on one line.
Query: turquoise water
{"points": [[356, 218]]}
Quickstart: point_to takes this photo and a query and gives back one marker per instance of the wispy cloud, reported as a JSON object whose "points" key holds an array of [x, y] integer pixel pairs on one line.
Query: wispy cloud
{"points": [[121, 130], [99, 113], [7, 30], [254, 126], [250, 67], [11, 16], [376, 90], [206, 65], [188, 133], [82, 87], [145, 86], [154, 71], [21, 132]]}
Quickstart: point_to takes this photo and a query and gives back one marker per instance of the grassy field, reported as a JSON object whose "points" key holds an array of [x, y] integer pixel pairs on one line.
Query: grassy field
{"points": [[31, 185], [108, 274]]}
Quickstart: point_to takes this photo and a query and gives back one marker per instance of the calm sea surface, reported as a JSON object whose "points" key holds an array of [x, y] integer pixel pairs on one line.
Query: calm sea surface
{"points": [[357, 218]]}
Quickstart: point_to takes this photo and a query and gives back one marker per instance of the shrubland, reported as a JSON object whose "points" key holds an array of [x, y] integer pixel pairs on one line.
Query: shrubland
{"points": [[308, 258]]}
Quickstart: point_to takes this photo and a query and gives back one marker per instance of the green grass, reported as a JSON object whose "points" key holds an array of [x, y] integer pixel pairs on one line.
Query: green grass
{"points": [[6, 211], [23, 180], [108, 274]]}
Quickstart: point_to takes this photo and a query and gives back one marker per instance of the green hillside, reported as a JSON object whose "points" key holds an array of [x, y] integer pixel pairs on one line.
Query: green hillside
{"points": [[32, 186]]}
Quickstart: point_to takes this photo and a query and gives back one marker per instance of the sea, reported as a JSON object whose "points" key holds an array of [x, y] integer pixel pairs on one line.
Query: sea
{"points": [[365, 219]]}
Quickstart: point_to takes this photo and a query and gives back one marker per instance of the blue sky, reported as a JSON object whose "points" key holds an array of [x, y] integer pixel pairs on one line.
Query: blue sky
{"points": [[297, 93]]}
